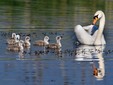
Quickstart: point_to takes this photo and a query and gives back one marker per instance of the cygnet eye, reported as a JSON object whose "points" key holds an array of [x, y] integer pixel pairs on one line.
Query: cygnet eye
{"points": [[59, 37], [28, 38]]}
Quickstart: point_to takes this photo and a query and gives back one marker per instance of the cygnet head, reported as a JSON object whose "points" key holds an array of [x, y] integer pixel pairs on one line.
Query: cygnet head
{"points": [[27, 41], [13, 35], [58, 38], [18, 37], [21, 41], [46, 39], [27, 38]]}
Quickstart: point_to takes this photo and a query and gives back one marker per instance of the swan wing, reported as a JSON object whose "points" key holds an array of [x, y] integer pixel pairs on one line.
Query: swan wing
{"points": [[83, 36]]}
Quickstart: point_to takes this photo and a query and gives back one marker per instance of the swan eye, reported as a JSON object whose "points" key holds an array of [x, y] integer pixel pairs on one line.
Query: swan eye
{"points": [[95, 17]]}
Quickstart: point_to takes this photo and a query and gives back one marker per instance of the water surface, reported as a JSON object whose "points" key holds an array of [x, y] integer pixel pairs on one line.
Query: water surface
{"points": [[75, 63]]}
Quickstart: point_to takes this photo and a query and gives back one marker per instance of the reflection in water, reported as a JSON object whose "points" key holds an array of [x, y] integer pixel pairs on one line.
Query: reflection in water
{"points": [[21, 53], [101, 69], [92, 53], [57, 51]]}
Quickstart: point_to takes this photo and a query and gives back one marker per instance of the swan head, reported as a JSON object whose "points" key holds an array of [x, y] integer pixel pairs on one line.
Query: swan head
{"points": [[97, 16], [27, 41], [18, 37], [21, 42], [46, 38], [13, 35], [58, 38], [27, 38]]}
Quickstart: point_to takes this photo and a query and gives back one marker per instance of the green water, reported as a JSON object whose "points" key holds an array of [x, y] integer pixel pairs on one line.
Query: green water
{"points": [[49, 13]]}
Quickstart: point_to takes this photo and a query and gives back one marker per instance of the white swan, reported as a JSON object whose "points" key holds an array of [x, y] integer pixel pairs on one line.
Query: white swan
{"points": [[84, 33]]}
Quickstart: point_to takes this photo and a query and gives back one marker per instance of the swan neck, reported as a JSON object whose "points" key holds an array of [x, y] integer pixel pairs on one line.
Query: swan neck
{"points": [[102, 22], [98, 40], [46, 41], [58, 41]]}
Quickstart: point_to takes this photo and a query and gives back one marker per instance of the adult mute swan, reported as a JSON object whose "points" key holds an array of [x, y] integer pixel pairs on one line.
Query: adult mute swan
{"points": [[84, 35]]}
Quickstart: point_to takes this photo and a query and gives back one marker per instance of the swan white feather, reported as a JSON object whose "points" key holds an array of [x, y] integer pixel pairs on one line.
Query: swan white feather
{"points": [[84, 36]]}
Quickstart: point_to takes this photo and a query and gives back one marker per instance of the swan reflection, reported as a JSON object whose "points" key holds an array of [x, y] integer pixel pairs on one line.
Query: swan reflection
{"points": [[92, 53]]}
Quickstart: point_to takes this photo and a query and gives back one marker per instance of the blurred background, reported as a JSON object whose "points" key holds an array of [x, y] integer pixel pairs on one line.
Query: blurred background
{"points": [[49, 14]]}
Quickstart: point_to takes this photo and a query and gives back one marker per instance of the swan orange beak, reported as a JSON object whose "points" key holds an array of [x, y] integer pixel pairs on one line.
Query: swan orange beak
{"points": [[95, 20]]}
